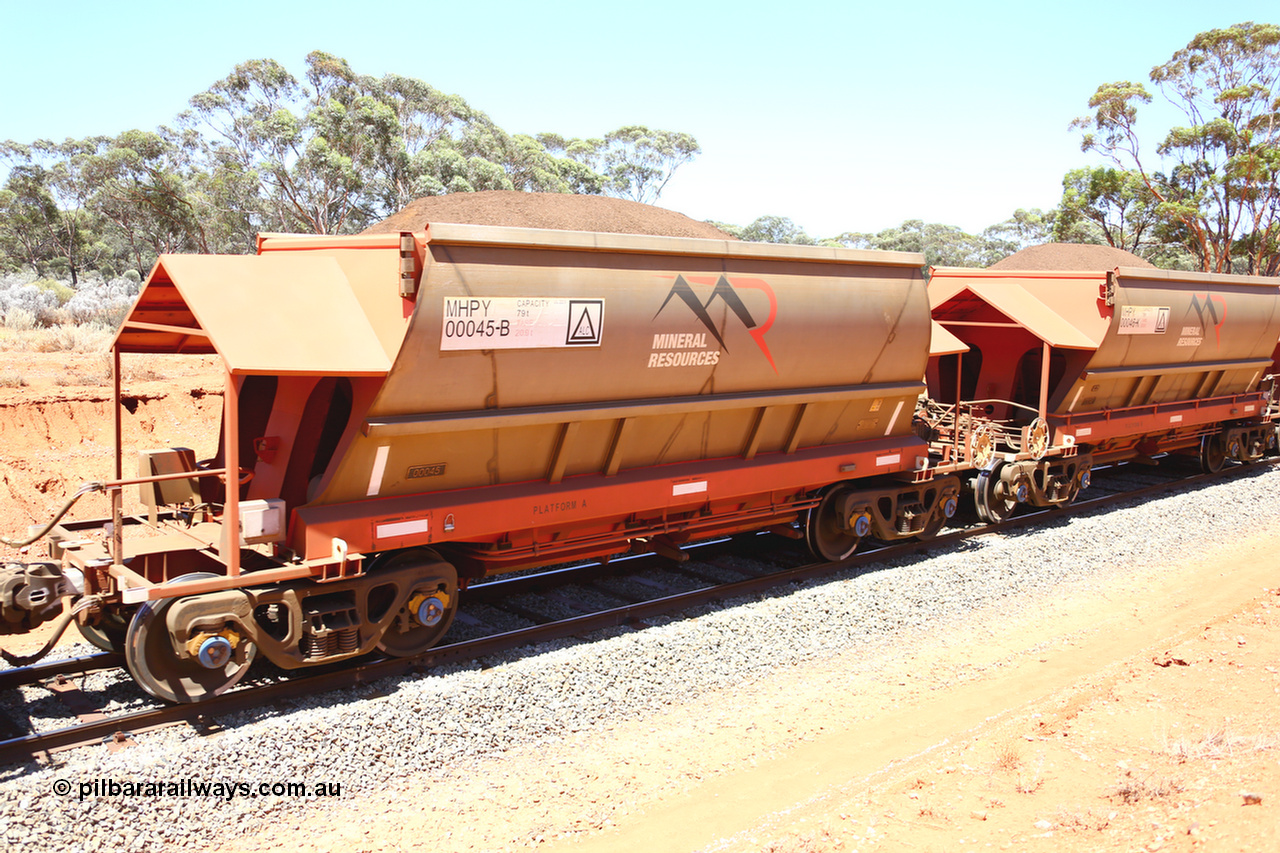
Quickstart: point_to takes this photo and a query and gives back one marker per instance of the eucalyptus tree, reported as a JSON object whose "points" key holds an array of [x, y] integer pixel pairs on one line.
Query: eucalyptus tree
{"points": [[1025, 228], [337, 150], [632, 162], [1214, 179], [311, 149], [1102, 204], [261, 150], [413, 161], [67, 231], [145, 187], [942, 245], [638, 163], [29, 220], [768, 229]]}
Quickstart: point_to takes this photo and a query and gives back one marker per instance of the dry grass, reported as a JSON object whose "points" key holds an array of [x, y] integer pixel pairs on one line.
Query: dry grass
{"points": [[1082, 821], [77, 380], [93, 376], [92, 373], [140, 370], [68, 338], [1132, 789], [1029, 784], [1008, 759], [809, 842], [1217, 742], [1031, 780], [12, 379]]}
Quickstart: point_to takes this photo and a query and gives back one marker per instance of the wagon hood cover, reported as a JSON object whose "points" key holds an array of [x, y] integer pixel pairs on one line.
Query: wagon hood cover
{"points": [[292, 313], [942, 342], [1061, 310]]}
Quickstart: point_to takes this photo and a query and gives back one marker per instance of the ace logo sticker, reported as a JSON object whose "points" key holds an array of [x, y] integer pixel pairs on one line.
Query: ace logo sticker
{"points": [[586, 318]]}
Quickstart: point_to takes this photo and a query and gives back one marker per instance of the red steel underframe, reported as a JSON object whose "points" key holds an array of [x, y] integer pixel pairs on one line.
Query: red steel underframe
{"points": [[596, 514], [1095, 427], [774, 485], [601, 510], [528, 509]]}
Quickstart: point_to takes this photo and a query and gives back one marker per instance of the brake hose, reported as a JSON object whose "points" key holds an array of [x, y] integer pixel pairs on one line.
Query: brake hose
{"points": [[58, 628], [84, 490]]}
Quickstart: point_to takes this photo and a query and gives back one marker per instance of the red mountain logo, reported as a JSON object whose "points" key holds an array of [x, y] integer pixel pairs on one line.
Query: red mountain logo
{"points": [[726, 291], [1209, 305]]}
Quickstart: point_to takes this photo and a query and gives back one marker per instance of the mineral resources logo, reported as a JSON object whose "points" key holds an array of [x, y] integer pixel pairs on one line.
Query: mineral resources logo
{"points": [[684, 350], [1212, 311]]}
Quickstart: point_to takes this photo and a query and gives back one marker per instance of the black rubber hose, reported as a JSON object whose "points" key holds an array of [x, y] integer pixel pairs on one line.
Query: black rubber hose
{"points": [[84, 490], [26, 660], [59, 628]]}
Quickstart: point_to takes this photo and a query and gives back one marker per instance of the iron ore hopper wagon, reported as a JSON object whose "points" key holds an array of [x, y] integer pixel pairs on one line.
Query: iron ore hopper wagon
{"points": [[1085, 367], [407, 413]]}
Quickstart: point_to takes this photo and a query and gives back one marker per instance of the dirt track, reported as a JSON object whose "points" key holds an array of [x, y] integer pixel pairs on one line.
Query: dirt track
{"points": [[1139, 720]]}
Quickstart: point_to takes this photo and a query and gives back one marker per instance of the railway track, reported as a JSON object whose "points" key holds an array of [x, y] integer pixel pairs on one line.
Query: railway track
{"points": [[536, 607]]}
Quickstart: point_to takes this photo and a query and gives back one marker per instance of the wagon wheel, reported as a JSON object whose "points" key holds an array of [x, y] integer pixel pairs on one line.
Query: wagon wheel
{"points": [[1212, 454], [151, 659], [826, 535], [110, 632], [995, 501], [1083, 477], [428, 612], [942, 513], [982, 446]]}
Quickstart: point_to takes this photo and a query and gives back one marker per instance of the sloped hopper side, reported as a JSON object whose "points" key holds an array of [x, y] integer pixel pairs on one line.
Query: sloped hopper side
{"points": [[1180, 336], [671, 350]]}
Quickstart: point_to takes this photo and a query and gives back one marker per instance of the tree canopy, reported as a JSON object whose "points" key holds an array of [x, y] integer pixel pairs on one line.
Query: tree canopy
{"points": [[768, 229], [1212, 186], [262, 150], [332, 151]]}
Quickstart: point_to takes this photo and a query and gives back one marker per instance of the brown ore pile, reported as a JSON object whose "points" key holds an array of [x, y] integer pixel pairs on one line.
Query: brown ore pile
{"points": [[546, 210], [1070, 256]]}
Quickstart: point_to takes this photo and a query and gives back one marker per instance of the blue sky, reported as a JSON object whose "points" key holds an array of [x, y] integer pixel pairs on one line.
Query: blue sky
{"points": [[843, 116]]}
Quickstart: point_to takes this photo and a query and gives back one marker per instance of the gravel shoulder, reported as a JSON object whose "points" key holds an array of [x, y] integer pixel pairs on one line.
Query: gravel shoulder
{"points": [[1130, 717]]}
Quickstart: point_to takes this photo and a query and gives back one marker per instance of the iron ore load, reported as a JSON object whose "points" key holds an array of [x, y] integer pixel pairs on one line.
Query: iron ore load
{"points": [[406, 413]]}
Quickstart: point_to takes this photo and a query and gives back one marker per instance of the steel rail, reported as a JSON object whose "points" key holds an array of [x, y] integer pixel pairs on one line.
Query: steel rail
{"points": [[347, 676], [37, 672]]}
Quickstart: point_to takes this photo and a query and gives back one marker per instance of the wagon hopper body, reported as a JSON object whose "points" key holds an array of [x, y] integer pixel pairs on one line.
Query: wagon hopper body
{"points": [[1101, 366], [404, 413], [567, 394]]}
